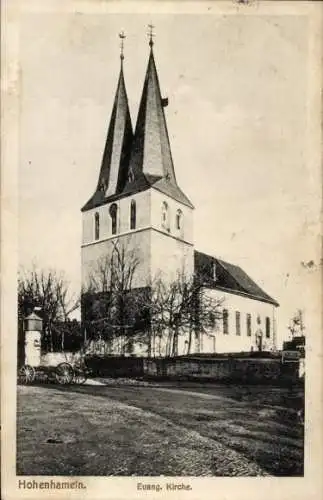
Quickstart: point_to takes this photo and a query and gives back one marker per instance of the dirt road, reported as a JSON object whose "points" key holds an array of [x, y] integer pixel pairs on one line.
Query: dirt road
{"points": [[171, 431]]}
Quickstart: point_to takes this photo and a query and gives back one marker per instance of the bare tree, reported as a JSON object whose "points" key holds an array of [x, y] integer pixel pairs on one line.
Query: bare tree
{"points": [[179, 307], [296, 326], [108, 296], [47, 290], [155, 315]]}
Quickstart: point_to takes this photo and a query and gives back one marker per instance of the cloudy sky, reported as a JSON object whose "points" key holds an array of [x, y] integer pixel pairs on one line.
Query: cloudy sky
{"points": [[237, 117]]}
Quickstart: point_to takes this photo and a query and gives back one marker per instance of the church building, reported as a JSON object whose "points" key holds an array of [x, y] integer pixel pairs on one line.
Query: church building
{"points": [[138, 206]]}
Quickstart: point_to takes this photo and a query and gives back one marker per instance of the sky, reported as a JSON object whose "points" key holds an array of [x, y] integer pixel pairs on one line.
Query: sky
{"points": [[237, 120]]}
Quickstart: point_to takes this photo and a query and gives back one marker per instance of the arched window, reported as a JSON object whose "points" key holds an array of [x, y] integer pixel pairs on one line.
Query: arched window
{"points": [[225, 317], [133, 214], [249, 325], [113, 214], [165, 216], [179, 216], [267, 327], [96, 226], [238, 323]]}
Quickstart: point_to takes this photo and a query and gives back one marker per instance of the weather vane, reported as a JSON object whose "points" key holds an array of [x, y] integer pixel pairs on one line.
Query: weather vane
{"points": [[122, 36], [151, 34]]}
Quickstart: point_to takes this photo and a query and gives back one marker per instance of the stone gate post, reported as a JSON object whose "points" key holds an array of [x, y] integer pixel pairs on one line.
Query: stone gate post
{"points": [[33, 330]]}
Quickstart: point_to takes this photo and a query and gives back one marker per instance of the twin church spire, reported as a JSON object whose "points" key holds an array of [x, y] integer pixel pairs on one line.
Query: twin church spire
{"points": [[135, 161]]}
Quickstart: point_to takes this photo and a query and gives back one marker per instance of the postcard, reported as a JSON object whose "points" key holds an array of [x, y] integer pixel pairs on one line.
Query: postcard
{"points": [[161, 250]]}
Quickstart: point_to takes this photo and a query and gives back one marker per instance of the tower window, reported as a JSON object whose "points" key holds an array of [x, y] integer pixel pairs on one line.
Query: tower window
{"points": [[225, 321], [96, 226], [133, 214], [131, 176], [249, 325], [268, 327], [179, 216], [113, 214], [165, 216], [238, 324]]}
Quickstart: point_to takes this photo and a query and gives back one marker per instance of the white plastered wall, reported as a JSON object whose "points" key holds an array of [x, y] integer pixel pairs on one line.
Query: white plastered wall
{"points": [[232, 342]]}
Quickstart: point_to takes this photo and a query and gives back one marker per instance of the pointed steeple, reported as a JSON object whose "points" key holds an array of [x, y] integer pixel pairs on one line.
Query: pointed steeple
{"points": [[114, 168], [116, 155], [151, 156]]}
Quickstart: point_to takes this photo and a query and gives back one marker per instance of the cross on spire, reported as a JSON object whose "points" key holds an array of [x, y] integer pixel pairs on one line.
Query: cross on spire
{"points": [[151, 34], [122, 36]]}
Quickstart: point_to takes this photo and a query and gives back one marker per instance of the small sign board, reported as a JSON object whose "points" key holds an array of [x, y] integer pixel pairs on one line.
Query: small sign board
{"points": [[289, 356]]}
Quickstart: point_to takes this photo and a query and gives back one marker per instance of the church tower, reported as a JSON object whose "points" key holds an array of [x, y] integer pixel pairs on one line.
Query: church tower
{"points": [[137, 203]]}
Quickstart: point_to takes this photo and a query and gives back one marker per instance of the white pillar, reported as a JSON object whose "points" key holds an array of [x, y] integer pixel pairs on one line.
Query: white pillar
{"points": [[32, 348], [33, 329]]}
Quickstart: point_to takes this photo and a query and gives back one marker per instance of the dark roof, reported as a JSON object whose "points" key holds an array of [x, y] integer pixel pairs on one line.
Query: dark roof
{"points": [[142, 183], [149, 163], [115, 162], [229, 277], [99, 198]]}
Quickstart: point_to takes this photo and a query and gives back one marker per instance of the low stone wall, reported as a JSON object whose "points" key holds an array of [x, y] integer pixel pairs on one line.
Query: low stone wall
{"points": [[223, 369], [115, 366]]}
